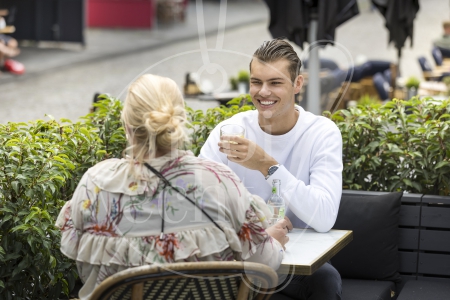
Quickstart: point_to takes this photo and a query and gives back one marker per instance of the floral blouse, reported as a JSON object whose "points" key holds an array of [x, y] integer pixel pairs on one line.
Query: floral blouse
{"points": [[114, 220]]}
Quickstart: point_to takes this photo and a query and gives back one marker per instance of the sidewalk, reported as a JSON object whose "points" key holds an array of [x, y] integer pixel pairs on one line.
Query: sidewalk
{"points": [[62, 81], [108, 43]]}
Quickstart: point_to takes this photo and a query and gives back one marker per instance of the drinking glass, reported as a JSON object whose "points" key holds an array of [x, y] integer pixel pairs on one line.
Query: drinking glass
{"points": [[232, 129]]}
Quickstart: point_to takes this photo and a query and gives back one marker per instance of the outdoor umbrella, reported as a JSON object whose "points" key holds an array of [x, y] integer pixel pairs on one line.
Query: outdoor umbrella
{"points": [[314, 21], [399, 16], [292, 19]]}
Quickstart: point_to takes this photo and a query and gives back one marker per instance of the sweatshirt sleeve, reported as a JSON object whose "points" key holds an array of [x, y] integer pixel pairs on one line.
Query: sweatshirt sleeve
{"points": [[316, 204]]}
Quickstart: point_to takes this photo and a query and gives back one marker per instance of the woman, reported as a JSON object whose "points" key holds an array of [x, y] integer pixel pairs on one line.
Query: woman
{"points": [[161, 204]]}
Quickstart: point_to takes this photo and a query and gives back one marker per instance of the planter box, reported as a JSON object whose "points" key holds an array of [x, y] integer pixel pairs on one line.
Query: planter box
{"points": [[121, 13]]}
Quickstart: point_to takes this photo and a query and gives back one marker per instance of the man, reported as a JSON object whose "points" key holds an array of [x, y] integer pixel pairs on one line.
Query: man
{"points": [[283, 141], [444, 42]]}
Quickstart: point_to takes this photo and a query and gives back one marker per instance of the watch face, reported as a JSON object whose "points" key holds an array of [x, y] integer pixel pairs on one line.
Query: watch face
{"points": [[272, 169]]}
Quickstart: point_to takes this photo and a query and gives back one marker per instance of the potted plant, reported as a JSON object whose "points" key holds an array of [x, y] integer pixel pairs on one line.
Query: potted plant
{"points": [[243, 79], [412, 86], [233, 83]]}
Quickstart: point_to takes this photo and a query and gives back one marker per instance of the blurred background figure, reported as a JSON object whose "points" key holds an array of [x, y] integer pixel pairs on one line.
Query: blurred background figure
{"points": [[444, 41], [9, 47]]}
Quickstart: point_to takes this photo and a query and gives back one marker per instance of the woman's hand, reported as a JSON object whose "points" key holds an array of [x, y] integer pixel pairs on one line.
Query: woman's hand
{"points": [[279, 231]]}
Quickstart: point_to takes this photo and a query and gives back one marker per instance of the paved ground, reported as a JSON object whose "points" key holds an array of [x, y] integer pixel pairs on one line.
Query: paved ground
{"points": [[62, 81]]}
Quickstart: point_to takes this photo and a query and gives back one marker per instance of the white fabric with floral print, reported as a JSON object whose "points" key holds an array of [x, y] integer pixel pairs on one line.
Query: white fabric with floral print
{"points": [[114, 220]]}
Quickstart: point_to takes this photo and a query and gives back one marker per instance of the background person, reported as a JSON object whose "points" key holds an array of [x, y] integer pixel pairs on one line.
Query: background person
{"points": [[283, 141], [122, 215], [444, 41], [9, 48]]}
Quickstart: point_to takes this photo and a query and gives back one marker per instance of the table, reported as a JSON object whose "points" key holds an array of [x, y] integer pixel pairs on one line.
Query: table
{"points": [[430, 88], [307, 250], [223, 98]]}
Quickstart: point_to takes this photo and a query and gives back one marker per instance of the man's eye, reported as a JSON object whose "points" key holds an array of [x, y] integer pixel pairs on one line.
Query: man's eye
{"points": [[256, 82], [276, 82]]}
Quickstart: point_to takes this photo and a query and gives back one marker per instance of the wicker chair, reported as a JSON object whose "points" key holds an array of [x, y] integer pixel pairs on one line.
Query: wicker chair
{"points": [[193, 280]]}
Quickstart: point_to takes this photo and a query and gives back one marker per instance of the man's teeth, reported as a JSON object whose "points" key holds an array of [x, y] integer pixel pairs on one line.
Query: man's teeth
{"points": [[267, 102]]}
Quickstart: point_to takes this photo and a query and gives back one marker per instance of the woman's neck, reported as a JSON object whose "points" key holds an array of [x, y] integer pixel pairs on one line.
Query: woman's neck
{"points": [[161, 152]]}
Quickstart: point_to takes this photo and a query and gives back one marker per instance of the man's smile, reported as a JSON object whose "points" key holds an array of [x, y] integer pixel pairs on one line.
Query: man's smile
{"points": [[266, 103]]}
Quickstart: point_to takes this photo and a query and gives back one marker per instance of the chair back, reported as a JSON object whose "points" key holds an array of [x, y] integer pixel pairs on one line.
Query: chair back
{"points": [[424, 64], [437, 56], [193, 280]]}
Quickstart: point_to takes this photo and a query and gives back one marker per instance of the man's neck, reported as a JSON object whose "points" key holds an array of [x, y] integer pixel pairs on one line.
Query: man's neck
{"points": [[279, 125]]}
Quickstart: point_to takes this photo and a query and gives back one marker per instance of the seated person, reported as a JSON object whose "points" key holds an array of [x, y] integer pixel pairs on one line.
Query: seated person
{"points": [[444, 41], [123, 213], [9, 48]]}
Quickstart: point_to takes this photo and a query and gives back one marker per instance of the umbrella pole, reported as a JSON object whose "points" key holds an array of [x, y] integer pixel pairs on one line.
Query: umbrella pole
{"points": [[313, 89]]}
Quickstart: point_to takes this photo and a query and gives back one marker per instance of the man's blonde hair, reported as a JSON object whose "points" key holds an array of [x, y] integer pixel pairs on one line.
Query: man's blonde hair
{"points": [[154, 116]]}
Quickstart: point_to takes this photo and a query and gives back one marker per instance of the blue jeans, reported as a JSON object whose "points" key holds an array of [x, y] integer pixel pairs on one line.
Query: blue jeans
{"points": [[324, 284]]}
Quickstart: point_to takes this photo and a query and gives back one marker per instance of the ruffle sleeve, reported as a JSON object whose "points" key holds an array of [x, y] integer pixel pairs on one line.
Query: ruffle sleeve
{"points": [[257, 244]]}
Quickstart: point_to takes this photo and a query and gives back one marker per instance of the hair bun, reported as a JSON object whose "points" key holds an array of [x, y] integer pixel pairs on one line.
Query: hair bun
{"points": [[161, 121]]}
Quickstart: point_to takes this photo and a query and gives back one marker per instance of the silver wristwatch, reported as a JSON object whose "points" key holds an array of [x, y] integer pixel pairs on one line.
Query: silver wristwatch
{"points": [[272, 170]]}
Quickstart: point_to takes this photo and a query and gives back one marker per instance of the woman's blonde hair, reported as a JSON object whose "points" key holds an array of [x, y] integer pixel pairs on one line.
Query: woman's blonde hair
{"points": [[154, 117]]}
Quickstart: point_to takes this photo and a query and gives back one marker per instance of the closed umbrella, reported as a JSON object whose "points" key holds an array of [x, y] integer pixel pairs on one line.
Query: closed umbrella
{"points": [[292, 19], [399, 20], [314, 21], [399, 16]]}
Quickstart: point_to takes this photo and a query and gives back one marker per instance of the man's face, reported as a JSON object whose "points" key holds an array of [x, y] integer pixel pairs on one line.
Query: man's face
{"points": [[271, 88]]}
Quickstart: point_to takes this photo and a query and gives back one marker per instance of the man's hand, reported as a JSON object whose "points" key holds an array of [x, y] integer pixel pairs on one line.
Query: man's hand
{"points": [[246, 153], [279, 231]]}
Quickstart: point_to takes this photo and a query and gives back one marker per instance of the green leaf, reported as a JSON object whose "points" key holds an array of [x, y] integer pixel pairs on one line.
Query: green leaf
{"points": [[15, 186], [21, 227], [442, 164]]}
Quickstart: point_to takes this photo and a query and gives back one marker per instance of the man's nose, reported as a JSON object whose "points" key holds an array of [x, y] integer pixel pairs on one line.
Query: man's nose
{"points": [[265, 91]]}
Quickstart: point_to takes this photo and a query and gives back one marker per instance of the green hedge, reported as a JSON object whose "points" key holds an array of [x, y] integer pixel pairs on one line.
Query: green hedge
{"points": [[402, 145], [41, 163], [399, 146]]}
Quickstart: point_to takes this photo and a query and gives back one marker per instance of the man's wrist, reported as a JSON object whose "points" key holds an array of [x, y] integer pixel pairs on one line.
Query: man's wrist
{"points": [[264, 169]]}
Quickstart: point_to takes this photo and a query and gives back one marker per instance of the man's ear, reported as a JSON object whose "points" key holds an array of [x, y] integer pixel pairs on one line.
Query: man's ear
{"points": [[298, 83]]}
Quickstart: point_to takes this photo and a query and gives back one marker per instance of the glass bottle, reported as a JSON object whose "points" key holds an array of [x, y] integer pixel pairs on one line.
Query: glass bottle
{"points": [[276, 203]]}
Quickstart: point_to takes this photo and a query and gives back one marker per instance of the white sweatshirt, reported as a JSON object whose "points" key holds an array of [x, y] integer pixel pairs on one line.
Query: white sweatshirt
{"points": [[310, 155]]}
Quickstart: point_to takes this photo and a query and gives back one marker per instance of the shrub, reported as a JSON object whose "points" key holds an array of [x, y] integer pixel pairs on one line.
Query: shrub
{"points": [[201, 124], [401, 145], [41, 163]]}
